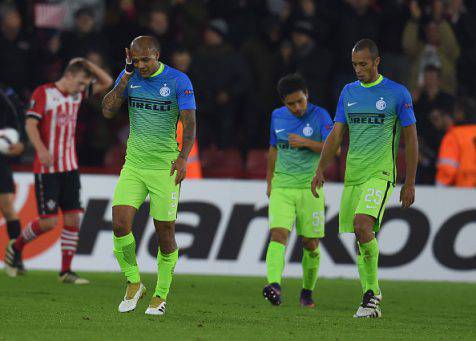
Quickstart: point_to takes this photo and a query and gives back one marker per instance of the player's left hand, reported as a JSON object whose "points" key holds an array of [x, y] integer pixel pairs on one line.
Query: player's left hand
{"points": [[407, 195], [180, 166], [15, 149], [296, 141]]}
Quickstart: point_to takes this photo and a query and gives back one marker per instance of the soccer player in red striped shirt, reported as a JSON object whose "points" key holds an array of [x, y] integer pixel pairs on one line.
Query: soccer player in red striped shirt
{"points": [[51, 125]]}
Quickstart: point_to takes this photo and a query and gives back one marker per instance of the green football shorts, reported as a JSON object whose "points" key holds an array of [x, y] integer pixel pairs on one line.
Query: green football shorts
{"points": [[289, 206], [134, 184], [368, 198]]}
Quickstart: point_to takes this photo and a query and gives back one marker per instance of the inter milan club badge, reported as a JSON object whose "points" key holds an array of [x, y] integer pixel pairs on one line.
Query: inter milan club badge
{"points": [[307, 131], [380, 104], [164, 91]]}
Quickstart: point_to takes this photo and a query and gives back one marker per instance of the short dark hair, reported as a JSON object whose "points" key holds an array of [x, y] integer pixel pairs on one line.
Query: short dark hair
{"points": [[290, 84], [368, 44], [78, 66]]}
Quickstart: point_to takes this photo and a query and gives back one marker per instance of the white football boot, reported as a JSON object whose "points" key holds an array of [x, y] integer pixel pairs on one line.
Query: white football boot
{"points": [[156, 306], [370, 307], [134, 292]]}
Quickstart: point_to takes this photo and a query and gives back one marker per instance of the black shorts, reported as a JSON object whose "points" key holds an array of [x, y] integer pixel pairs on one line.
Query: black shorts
{"points": [[58, 190], [6, 178]]}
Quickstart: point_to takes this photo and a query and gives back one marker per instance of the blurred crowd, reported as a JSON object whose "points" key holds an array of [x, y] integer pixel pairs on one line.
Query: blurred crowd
{"points": [[234, 51]]}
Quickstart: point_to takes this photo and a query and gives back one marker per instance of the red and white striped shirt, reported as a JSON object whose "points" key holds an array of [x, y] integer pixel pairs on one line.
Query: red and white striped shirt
{"points": [[58, 114]]}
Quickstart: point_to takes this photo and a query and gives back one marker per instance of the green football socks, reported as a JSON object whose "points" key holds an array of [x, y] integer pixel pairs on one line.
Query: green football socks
{"points": [[165, 270], [275, 261], [310, 268], [125, 252], [362, 273], [369, 251]]}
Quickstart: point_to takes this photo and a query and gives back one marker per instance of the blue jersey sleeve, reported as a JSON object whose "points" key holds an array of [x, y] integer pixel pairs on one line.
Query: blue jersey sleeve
{"points": [[325, 124], [340, 112], [118, 80], [272, 134], [405, 109], [185, 94]]}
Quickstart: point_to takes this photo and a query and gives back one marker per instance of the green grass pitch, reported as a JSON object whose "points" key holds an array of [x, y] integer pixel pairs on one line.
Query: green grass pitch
{"points": [[37, 307]]}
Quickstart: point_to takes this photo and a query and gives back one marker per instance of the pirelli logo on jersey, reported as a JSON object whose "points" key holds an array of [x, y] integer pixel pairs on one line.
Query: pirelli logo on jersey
{"points": [[366, 118], [285, 145], [149, 104]]}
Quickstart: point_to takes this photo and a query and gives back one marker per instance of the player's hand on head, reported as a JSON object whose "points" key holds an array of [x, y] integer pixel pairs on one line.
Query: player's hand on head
{"points": [[179, 166], [129, 65], [15, 149], [317, 182], [407, 195]]}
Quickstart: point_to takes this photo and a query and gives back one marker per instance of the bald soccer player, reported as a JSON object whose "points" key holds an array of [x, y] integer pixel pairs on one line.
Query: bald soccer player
{"points": [[158, 95]]}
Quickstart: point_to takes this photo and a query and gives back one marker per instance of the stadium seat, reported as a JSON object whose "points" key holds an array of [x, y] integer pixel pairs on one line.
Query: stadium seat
{"points": [[221, 163], [256, 164]]}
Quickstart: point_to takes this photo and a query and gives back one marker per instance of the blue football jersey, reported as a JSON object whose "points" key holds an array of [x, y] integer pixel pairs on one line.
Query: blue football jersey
{"points": [[295, 167]]}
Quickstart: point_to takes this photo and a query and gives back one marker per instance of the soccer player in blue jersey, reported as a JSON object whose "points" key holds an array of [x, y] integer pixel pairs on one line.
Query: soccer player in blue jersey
{"points": [[158, 96], [375, 110], [298, 131]]}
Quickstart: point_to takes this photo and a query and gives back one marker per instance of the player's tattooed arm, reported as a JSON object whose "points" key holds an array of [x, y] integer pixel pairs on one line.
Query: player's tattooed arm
{"points": [[113, 100], [189, 123]]}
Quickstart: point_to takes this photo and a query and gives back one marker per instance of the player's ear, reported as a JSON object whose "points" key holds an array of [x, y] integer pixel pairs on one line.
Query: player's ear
{"points": [[157, 55], [377, 61]]}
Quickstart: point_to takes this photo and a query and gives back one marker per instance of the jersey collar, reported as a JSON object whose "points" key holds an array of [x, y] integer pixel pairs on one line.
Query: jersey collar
{"points": [[377, 82], [159, 70]]}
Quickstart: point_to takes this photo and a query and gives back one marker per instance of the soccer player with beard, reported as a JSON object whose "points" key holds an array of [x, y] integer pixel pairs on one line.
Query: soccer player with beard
{"points": [[158, 96]]}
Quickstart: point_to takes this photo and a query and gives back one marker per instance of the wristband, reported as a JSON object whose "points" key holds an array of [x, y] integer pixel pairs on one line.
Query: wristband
{"points": [[129, 68]]}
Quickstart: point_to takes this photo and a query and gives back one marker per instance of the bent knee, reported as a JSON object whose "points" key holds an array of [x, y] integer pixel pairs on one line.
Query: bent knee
{"points": [[363, 226], [310, 243], [10, 214], [71, 219], [279, 235]]}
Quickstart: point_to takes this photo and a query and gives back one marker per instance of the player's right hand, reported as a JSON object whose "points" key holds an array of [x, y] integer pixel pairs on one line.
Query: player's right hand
{"points": [[45, 158], [129, 65], [317, 182]]}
